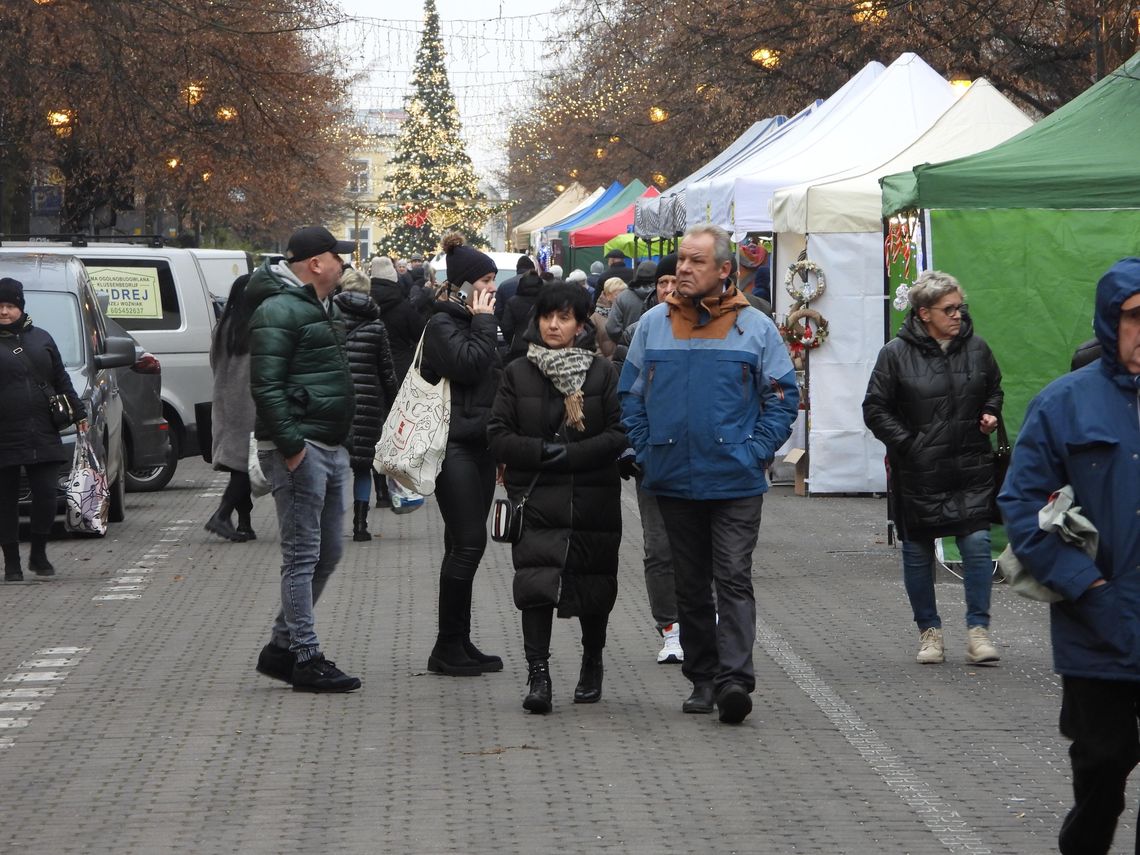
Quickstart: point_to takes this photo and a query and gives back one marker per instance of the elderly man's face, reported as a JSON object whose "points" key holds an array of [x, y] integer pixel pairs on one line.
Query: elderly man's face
{"points": [[698, 273], [1128, 334]]}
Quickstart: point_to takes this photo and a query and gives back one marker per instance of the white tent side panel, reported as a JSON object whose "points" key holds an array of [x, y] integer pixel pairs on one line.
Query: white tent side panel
{"points": [[844, 456]]}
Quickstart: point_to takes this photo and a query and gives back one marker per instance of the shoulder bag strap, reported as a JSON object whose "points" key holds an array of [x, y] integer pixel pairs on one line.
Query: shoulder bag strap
{"points": [[534, 480], [19, 351], [1002, 436]]}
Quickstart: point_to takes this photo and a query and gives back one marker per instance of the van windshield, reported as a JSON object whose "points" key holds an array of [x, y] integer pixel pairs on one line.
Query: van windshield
{"points": [[58, 314]]}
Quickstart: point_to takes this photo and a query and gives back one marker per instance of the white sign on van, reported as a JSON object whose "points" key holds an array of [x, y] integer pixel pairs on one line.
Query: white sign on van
{"points": [[133, 290]]}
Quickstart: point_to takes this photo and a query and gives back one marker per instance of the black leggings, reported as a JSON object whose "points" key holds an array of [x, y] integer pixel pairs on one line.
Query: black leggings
{"points": [[537, 623], [464, 490], [43, 478]]}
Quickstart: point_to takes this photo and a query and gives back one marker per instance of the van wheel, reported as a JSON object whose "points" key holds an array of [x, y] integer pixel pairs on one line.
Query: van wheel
{"points": [[117, 511], [149, 480]]}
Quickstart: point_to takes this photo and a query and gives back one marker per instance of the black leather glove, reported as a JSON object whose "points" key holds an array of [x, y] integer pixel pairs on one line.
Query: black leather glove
{"points": [[553, 453], [627, 466]]}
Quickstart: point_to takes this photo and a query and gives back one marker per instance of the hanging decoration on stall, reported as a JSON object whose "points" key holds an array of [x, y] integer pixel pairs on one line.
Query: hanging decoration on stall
{"points": [[900, 246], [797, 330]]}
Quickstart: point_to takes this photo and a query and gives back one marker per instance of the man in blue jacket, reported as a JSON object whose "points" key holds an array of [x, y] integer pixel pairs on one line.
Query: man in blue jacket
{"points": [[1084, 430], [708, 395]]}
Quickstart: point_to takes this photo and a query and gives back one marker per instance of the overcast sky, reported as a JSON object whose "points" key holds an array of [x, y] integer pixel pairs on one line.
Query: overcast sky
{"points": [[494, 52]]}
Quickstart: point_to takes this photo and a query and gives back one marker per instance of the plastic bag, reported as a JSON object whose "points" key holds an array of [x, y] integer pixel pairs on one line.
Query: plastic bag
{"points": [[88, 494], [404, 501]]}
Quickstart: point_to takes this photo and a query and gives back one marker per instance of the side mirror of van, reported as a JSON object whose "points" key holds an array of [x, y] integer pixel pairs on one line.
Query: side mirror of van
{"points": [[119, 353]]}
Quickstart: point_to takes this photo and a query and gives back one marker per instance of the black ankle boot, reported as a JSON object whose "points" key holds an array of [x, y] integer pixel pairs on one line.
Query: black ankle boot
{"points": [[245, 527], [489, 661], [360, 522], [539, 699], [13, 572], [589, 688], [220, 525], [38, 561]]}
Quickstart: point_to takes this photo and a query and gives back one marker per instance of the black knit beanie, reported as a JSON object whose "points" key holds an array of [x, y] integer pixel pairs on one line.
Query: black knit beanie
{"points": [[464, 263], [667, 266], [12, 291]]}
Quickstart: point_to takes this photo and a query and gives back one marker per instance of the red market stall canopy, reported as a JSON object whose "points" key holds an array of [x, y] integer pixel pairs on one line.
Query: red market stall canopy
{"points": [[600, 232]]}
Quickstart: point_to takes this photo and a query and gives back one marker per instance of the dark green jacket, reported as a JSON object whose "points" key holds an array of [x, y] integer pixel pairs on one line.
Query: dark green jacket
{"points": [[298, 371]]}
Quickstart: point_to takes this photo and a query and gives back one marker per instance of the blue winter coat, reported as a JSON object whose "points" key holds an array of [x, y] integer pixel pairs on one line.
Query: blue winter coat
{"points": [[708, 395], [1084, 430]]}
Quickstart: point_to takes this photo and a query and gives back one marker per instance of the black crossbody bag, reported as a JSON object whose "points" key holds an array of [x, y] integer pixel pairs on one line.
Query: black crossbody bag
{"points": [[507, 517], [59, 406]]}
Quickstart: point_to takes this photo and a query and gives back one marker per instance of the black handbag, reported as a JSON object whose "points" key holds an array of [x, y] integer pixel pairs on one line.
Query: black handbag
{"points": [[59, 406], [1002, 455], [507, 519]]}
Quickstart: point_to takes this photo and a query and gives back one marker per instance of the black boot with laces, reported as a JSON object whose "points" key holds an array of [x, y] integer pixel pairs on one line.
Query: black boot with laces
{"points": [[539, 699]]}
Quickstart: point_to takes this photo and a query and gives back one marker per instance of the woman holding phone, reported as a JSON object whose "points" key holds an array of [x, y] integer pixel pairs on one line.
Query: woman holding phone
{"points": [[461, 344]]}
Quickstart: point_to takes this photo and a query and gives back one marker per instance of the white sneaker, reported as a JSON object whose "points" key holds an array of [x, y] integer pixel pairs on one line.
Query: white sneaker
{"points": [[979, 649], [671, 653], [930, 648]]}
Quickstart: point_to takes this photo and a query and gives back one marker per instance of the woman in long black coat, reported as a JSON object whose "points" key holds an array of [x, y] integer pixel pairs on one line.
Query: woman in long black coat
{"points": [[28, 358], [933, 399], [556, 425], [373, 381]]}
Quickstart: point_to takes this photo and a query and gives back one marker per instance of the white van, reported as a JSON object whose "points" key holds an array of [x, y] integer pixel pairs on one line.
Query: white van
{"points": [[221, 267], [159, 294]]}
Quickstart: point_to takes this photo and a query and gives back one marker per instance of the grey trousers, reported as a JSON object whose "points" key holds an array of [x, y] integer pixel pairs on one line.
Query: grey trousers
{"points": [[658, 560], [713, 542]]}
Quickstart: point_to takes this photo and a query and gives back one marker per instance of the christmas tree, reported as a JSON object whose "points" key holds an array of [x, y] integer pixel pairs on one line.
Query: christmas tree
{"points": [[433, 188]]}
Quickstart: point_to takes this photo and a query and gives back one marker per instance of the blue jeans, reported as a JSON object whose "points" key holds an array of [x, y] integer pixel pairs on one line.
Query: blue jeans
{"points": [[311, 503], [977, 566], [362, 484]]}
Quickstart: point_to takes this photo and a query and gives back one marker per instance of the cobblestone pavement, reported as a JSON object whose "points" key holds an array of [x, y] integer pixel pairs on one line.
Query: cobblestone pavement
{"points": [[132, 721]]}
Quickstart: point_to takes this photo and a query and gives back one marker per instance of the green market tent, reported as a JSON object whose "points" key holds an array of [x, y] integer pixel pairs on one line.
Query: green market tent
{"points": [[571, 258], [1029, 226]]}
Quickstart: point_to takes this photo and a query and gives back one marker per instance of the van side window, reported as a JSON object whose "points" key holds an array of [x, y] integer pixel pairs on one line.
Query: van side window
{"points": [[141, 291]]}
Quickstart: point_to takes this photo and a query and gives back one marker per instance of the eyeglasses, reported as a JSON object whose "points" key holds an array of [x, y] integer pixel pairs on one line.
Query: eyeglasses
{"points": [[953, 311]]}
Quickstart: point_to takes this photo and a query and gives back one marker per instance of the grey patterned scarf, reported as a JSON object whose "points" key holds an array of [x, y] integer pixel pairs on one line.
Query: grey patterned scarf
{"points": [[566, 368]]}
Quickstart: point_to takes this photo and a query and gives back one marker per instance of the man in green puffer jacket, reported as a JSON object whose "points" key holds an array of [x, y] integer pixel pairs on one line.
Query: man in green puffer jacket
{"points": [[302, 390]]}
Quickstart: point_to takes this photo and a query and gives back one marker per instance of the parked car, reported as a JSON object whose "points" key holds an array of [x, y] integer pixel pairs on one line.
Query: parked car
{"points": [[59, 298], [146, 434], [159, 294]]}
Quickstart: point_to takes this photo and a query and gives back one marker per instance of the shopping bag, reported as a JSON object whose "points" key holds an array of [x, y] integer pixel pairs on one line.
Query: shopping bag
{"points": [[404, 501], [88, 494], [258, 484], [414, 438]]}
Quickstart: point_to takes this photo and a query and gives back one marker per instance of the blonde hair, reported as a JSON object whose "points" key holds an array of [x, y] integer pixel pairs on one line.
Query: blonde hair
{"points": [[613, 285], [353, 280]]}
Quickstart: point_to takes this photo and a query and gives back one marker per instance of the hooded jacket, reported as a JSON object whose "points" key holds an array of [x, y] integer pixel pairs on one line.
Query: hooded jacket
{"points": [[27, 434], [1083, 429], [373, 374], [517, 317], [568, 555], [924, 404], [298, 370], [404, 323], [464, 348], [628, 307], [708, 395]]}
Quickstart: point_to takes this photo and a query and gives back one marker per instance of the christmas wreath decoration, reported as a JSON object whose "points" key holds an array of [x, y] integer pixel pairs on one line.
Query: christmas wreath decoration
{"points": [[800, 290], [796, 330]]}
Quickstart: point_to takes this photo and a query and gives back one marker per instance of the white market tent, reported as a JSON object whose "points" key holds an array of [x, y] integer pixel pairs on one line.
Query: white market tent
{"points": [[535, 232], [699, 194], [565, 203], [652, 217], [841, 222]]}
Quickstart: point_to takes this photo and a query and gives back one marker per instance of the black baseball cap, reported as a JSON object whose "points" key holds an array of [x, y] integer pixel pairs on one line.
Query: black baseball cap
{"points": [[314, 240]]}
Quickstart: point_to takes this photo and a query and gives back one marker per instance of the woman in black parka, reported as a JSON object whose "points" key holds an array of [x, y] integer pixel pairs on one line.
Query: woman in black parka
{"points": [[557, 416], [461, 343], [373, 380], [933, 399], [27, 436]]}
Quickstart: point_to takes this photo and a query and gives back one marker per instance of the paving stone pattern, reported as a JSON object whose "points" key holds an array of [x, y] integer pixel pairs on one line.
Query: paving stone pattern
{"points": [[154, 734]]}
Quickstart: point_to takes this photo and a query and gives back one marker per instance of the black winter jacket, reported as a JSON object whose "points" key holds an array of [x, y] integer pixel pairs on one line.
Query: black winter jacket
{"points": [[568, 555], [517, 318], [27, 434], [464, 348], [403, 322], [924, 404], [373, 374]]}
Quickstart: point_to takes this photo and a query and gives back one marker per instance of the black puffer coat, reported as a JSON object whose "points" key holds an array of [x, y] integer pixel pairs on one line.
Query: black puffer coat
{"points": [[27, 434], [403, 322], [517, 318], [464, 348], [568, 555], [924, 404], [373, 374]]}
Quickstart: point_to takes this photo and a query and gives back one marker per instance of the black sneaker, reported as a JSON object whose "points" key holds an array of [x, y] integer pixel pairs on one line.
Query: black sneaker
{"points": [[320, 675], [276, 662]]}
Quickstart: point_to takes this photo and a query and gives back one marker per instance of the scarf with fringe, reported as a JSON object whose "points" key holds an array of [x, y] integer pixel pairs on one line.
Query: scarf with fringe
{"points": [[566, 368]]}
